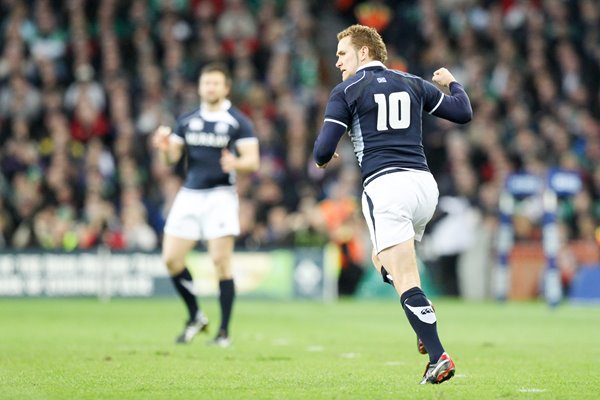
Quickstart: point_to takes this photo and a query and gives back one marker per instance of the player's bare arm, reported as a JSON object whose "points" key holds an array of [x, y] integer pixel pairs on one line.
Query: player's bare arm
{"points": [[170, 151], [247, 161]]}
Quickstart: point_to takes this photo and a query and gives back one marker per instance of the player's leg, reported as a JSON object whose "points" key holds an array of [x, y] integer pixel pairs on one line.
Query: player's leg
{"points": [[174, 251], [387, 278], [401, 261], [385, 275], [181, 233], [221, 252], [396, 218]]}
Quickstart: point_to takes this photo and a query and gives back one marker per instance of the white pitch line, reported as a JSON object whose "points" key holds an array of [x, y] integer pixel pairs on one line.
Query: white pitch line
{"points": [[531, 390]]}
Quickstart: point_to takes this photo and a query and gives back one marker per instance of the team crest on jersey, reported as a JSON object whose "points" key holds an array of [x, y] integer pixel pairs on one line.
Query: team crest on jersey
{"points": [[221, 128], [196, 124]]}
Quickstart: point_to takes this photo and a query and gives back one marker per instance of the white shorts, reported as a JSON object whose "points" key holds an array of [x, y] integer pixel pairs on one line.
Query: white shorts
{"points": [[204, 214], [398, 205]]}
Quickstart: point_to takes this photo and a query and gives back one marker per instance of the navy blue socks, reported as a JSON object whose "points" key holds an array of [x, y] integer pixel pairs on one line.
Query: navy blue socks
{"points": [[422, 318], [226, 297], [184, 284]]}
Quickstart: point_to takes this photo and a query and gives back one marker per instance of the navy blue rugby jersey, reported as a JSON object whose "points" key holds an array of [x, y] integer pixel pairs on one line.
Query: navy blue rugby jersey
{"points": [[205, 134], [382, 110]]}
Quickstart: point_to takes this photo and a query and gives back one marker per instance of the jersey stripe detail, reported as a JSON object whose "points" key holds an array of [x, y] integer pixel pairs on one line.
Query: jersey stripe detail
{"points": [[354, 83], [437, 105], [403, 74], [335, 121], [356, 137], [371, 214]]}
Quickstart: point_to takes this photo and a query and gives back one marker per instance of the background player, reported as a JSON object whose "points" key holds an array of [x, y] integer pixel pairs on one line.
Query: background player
{"points": [[219, 142], [382, 111]]}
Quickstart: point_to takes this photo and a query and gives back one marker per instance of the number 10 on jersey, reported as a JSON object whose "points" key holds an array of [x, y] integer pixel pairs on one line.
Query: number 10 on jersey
{"points": [[398, 110]]}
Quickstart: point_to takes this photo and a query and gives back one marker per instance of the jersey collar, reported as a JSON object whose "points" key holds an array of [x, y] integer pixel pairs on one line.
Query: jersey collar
{"points": [[226, 105], [371, 64]]}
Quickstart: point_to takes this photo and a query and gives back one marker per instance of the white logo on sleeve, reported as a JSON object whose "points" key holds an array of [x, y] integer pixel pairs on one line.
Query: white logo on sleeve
{"points": [[425, 314]]}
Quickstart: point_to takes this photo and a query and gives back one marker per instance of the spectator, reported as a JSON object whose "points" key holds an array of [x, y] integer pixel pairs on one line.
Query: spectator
{"points": [[85, 89]]}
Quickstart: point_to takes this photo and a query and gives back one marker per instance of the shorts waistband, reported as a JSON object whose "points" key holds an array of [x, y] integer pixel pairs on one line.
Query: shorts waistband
{"points": [[386, 171]]}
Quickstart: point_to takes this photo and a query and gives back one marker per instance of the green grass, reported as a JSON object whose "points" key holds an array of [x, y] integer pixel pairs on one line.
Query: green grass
{"points": [[123, 349]]}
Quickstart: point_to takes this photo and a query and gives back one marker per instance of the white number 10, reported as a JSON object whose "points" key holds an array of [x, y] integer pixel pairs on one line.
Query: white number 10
{"points": [[399, 112]]}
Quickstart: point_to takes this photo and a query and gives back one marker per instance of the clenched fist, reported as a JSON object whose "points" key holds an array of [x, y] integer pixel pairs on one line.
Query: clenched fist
{"points": [[443, 77]]}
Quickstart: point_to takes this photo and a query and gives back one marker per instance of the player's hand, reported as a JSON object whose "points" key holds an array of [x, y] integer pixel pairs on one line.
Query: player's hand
{"points": [[323, 166], [160, 139], [228, 161], [443, 77]]}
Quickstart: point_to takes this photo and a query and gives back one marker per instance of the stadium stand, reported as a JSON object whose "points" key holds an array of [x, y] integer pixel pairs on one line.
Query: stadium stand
{"points": [[84, 83]]}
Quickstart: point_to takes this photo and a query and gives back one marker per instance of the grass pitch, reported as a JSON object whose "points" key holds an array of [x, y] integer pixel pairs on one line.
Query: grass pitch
{"points": [[123, 349]]}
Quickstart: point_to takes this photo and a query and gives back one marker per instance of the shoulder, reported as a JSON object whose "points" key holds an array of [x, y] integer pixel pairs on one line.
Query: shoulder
{"points": [[185, 117], [346, 85], [343, 89], [413, 83], [405, 75], [238, 116], [244, 127]]}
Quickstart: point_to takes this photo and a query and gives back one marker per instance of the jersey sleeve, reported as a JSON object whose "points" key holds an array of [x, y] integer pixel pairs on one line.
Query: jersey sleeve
{"points": [[337, 110], [327, 141], [432, 97], [178, 134], [245, 130], [456, 107]]}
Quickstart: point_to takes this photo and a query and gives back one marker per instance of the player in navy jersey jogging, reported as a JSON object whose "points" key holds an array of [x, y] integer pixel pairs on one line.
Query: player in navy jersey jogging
{"points": [[219, 142], [381, 109]]}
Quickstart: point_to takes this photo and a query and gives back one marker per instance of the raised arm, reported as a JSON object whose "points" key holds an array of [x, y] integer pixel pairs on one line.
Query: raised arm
{"points": [[456, 107]]}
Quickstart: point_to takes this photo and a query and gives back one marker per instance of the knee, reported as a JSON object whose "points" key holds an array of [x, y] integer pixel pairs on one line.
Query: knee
{"points": [[223, 267], [174, 264]]}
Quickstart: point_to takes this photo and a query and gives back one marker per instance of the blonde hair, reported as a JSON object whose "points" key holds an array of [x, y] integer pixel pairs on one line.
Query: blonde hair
{"points": [[361, 35]]}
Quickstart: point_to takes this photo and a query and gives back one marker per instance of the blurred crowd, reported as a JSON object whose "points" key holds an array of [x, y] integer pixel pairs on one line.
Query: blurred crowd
{"points": [[83, 84]]}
